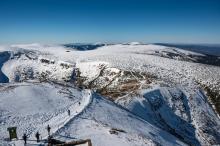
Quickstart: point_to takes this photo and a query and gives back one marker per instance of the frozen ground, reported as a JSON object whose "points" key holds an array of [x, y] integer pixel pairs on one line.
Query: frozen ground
{"points": [[32, 106], [165, 90], [102, 115]]}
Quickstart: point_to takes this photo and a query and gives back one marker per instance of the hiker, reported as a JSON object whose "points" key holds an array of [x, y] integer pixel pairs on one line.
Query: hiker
{"points": [[48, 129], [79, 102], [68, 112], [25, 138], [37, 135]]}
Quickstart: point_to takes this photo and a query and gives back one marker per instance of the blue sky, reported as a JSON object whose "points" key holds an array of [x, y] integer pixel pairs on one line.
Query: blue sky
{"points": [[63, 21]]}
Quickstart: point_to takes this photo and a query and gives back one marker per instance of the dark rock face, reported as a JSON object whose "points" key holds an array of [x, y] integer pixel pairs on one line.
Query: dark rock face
{"points": [[4, 56]]}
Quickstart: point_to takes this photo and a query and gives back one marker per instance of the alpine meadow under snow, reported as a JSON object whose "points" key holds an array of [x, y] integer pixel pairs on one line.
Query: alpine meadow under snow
{"points": [[129, 94]]}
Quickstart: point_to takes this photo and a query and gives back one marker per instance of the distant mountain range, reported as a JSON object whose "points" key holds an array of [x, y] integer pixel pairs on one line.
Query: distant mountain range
{"points": [[209, 49]]}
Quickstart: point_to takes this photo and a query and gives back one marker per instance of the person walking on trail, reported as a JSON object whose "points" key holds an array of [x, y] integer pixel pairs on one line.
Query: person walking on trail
{"points": [[48, 129], [25, 138], [68, 112], [37, 135]]}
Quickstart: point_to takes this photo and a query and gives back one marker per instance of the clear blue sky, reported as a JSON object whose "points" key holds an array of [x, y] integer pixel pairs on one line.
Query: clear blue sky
{"points": [[61, 21]]}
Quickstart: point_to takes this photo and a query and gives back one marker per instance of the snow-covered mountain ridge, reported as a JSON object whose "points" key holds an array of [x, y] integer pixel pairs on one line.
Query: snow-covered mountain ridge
{"points": [[163, 86]]}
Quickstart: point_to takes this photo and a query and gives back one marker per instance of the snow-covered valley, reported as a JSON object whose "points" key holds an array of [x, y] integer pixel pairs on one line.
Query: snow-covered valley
{"points": [[123, 94]]}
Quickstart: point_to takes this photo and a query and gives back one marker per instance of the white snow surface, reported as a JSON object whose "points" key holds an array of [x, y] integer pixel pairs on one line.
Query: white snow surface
{"points": [[102, 115], [32, 106], [175, 104]]}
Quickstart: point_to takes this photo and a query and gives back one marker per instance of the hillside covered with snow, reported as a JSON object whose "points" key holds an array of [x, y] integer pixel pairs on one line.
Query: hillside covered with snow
{"points": [[118, 94]]}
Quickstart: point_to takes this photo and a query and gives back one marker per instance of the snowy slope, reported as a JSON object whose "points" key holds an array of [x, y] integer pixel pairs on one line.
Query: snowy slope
{"points": [[33, 106], [188, 118], [161, 87], [101, 116], [32, 65]]}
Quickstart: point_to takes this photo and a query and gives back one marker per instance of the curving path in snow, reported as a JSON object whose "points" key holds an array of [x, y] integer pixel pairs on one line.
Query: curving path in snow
{"points": [[102, 115], [32, 106], [61, 119]]}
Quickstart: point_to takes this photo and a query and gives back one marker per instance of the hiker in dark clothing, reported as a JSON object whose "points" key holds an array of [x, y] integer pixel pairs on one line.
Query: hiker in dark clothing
{"points": [[25, 138], [79, 102], [48, 129], [68, 112], [37, 135]]}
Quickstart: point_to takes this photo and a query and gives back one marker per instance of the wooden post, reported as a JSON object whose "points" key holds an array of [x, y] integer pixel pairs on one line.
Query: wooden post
{"points": [[75, 143]]}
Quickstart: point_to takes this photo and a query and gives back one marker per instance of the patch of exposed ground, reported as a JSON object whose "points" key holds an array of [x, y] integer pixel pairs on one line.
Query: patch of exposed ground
{"points": [[114, 84], [214, 97]]}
